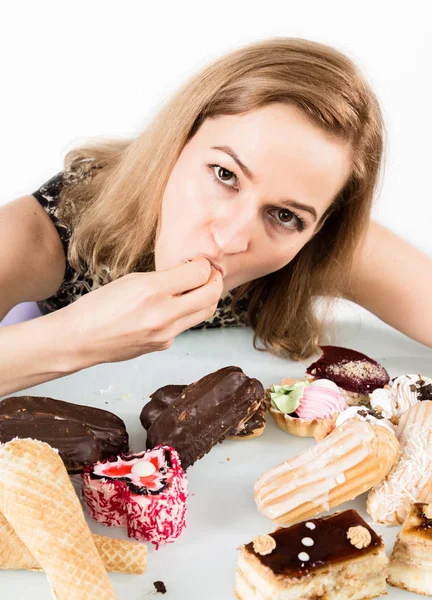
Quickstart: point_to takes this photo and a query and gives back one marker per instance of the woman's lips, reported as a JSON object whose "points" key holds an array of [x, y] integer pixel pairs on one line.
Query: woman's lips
{"points": [[214, 264]]}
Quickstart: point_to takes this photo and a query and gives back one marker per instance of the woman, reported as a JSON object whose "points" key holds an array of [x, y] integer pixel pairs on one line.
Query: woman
{"points": [[248, 196]]}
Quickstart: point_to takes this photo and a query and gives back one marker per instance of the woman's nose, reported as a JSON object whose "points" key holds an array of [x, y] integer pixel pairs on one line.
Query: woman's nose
{"points": [[231, 232]]}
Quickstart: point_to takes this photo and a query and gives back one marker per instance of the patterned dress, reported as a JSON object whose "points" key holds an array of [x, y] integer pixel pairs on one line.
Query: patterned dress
{"points": [[75, 284]]}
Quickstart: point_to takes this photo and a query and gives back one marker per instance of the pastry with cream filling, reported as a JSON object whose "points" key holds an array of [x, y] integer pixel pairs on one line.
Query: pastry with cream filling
{"points": [[338, 556], [400, 394], [351, 460], [144, 492], [411, 559], [206, 412], [306, 409], [410, 479]]}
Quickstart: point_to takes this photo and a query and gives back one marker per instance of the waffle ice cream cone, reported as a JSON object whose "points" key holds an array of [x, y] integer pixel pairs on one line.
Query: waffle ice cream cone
{"points": [[348, 462], [119, 556], [410, 479], [39, 502]]}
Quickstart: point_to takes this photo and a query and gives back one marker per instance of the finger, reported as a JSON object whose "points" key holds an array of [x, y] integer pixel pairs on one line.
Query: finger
{"points": [[186, 276], [190, 320], [201, 298]]}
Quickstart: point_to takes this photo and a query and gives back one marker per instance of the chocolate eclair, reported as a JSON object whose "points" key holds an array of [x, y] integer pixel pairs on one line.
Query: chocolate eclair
{"points": [[203, 413], [82, 434], [354, 373], [168, 394]]}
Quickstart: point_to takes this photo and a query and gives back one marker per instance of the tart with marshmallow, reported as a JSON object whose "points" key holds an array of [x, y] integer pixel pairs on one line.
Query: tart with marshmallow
{"points": [[400, 394], [304, 408]]}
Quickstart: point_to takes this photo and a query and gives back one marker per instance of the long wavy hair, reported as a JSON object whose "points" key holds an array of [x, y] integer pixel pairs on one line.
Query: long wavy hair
{"points": [[114, 214]]}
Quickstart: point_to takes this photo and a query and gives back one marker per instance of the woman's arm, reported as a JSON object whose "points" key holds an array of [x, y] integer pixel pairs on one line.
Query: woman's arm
{"points": [[32, 260], [134, 315], [393, 280]]}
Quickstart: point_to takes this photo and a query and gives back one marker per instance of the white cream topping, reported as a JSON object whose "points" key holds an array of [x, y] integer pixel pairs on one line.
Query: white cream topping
{"points": [[307, 541], [325, 383], [352, 413], [303, 556], [399, 396], [143, 468], [310, 525]]}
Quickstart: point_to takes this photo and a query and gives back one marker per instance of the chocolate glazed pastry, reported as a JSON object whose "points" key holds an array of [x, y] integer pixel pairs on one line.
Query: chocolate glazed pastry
{"points": [[166, 395], [204, 413], [82, 434]]}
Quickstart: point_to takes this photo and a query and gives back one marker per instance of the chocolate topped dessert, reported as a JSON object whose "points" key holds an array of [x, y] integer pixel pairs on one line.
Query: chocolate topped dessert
{"points": [[411, 559], [204, 413], [168, 394], [327, 543], [334, 556], [82, 434], [350, 370]]}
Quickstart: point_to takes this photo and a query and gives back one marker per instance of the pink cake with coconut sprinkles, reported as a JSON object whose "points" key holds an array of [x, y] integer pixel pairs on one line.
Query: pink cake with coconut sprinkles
{"points": [[144, 492]]}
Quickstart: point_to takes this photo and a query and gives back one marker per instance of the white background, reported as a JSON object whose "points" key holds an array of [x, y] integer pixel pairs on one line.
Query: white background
{"points": [[71, 70]]}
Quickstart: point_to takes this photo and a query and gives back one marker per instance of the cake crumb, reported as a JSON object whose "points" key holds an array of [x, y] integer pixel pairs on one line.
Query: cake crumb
{"points": [[160, 587], [228, 459]]}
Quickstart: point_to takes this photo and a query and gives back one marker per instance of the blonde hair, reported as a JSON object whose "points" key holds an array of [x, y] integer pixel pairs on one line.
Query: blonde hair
{"points": [[114, 215]]}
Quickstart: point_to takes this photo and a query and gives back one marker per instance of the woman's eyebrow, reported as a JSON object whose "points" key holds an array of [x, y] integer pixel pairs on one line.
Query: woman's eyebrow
{"points": [[248, 173], [236, 159]]}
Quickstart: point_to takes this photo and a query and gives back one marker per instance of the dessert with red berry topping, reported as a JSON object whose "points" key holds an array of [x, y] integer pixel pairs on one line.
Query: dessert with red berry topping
{"points": [[145, 492]]}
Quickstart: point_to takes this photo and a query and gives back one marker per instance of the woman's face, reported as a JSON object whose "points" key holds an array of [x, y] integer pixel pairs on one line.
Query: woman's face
{"points": [[248, 191]]}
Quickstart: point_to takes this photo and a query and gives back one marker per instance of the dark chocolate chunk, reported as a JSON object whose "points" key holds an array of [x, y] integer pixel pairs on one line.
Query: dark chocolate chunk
{"points": [[160, 587], [82, 434], [424, 392], [330, 546], [349, 369], [205, 413]]}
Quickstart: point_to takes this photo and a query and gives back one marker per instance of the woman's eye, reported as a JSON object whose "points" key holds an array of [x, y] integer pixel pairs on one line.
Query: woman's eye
{"points": [[223, 175], [287, 219]]}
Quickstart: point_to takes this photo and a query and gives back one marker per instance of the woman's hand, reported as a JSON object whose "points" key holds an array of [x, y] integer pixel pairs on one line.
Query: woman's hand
{"points": [[141, 312]]}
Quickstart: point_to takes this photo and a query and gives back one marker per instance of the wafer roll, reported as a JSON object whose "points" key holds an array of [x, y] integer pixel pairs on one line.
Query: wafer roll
{"points": [[348, 462], [39, 502], [119, 556]]}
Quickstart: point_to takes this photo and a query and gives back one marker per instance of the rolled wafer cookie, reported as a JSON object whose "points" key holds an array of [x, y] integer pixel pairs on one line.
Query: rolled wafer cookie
{"points": [[410, 479], [120, 556], [39, 502], [352, 459]]}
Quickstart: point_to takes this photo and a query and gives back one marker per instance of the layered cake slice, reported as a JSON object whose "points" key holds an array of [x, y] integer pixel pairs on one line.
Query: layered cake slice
{"points": [[338, 556], [411, 559]]}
